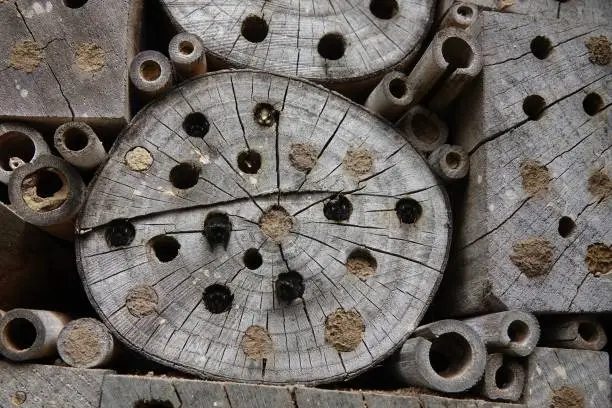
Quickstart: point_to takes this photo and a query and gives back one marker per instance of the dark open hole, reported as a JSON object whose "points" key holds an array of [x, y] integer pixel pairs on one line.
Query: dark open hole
{"points": [[397, 87], [48, 183], [75, 139], [119, 233], [541, 47], [217, 229], [408, 210], [4, 197], [533, 106], [339, 208], [185, 175], [424, 128], [384, 9], [74, 3], [518, 331], [592, 103], [15, 144], [566, 226], [254, 29], [332, 46], [457, 53], [150, 70], [252, 258], [217, 298], [504, 377], [453, 160], [588, 331], [249, 161], [186, 47], [289, 286], [465, 11], [153, 404], [20, 334], [196, 125], [265, 114], [165, 248], [450, 354]]}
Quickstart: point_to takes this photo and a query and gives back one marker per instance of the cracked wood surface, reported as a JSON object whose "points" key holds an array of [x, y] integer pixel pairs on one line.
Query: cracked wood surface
{"points": [[85, 55], [499, 212], [410, 258], [373, 45]]}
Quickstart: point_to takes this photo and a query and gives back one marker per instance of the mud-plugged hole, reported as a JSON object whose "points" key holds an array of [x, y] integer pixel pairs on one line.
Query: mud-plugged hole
{"points": [[249, 161], [252, 258], [217, 298], [592, 103], [566, 226], [185, 175], [533, 106], [384, 9], [15, 144], [254, 29], [504, 377], [153, 404], [165, 247], [332, 46], [120, 233], [540, 47], [588, 331], [457, 52], [75, 139], [361, 263], [19, 334], [276, 223], [518, 331], [150, 70], [408, 210], [450, 354], [397, 87], [196, 124]]}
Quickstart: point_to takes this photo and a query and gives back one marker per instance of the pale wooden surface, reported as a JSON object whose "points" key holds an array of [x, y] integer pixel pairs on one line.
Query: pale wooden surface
{"points": [[182, 333]]}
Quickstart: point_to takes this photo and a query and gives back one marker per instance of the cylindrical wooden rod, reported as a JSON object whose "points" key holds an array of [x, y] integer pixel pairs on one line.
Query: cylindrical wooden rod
{"points": [[423, 129], [447, 356], [19, 144], [575, 332], [86, 343], [450, 162], [460, 15], [187, 55], [513, 332], [391, 97], [79, 145], [27, 334], [48, 193], [504, 378], [151, 74]]}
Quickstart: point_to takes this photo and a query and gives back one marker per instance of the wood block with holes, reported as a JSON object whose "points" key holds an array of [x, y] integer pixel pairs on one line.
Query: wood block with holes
{"points": [[67, 59], [567, 378], [533, 229], [340, 44], [258, 228]]}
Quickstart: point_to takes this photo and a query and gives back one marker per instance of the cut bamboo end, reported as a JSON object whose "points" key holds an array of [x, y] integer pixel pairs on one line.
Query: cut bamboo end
{"points": [[460, 15], [79, 145], [423, 129], [27, 334], [575, 332], [450, 162], [86, 343], [391, 97], [151, 74], [504, 378], [19, 144], [187, 55], [48, 193]]}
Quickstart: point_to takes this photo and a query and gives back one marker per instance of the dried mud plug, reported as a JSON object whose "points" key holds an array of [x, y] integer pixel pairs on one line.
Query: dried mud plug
{"points": [[217, 229], [339, 208], [289, 286]]}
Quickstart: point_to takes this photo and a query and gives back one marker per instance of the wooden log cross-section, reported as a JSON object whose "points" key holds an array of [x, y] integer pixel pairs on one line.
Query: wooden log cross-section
{"points": [[253, 227]]}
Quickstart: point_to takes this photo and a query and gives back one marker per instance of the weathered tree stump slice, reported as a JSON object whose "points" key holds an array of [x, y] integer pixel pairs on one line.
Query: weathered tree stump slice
{"points": [[328, 42], [366, 279]]}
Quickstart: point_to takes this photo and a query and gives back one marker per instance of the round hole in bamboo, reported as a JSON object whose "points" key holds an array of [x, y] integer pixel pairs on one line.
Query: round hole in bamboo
{"points": [[196, 125], [540, 47], [217, 298], [384, 9], [457, 52], [504, 377], [48, 183], [533, 106], [74, 3], [153, 404], [252, 259], [119, 233], [75, 139], [254, 29], [592, 103], [15, 144], [465, 11], [19, 334], [408, 210], [185, 175], [249, 161], [186, 47], [450, 354], [518, 331], [289, 286], [165, 247], [588, 331], [424, 128], [453, 160], [566, 226], [150, 70], [397, 87], [332, 46]]}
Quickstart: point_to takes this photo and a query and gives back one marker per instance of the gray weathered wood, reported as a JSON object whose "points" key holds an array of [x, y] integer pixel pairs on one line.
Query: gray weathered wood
{"points": [[354, 153], [431, 401]]}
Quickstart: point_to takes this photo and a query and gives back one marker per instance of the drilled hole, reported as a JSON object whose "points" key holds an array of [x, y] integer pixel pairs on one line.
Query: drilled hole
{"points": [[165, 248], [196, 125], [153, 404], [289, 286], [252, 259], [217, 229], [566, 226], [384, 9], [150, 70], [504, 377], [408, 210], [254, 29], [332, 46], [518, 331], [339, 208], [184, 175], [465, 11], [541, 47], [397, 87], [217, 298], [450, 354], [533, 106], [457, 52], [15, 144], [120, 233], [20, 334], [265, 114], [48, 183], [75, 139], [592, 103], [453, 160], [186, 47], [74, 3], [588, 331], [249, 161]]}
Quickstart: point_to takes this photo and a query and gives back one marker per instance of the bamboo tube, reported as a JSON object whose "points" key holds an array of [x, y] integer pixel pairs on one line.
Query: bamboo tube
{"points": [[187, 55], [450, 162], [79, 145], [86, 343], [391, 97], [151, 75], [19, 144], [504, 378], [423, 129]]}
